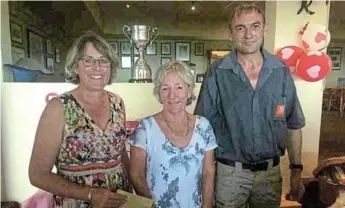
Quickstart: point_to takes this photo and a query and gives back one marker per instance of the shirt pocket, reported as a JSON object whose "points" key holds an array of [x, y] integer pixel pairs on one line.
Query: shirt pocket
{"points": [[279, 132]]}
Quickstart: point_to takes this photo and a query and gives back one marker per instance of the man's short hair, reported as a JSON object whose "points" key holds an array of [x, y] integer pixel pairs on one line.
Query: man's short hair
{"points": [[246, 8]]}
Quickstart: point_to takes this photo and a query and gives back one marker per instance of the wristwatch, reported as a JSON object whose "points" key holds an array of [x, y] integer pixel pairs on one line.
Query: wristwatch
{"points": [[295, 166]]}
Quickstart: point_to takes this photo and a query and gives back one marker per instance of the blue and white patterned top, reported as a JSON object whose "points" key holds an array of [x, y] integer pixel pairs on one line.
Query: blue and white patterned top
{"points": [[174, 175]]}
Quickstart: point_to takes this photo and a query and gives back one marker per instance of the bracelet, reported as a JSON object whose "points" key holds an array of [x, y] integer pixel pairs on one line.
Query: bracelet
{"points": [[89, 196]]}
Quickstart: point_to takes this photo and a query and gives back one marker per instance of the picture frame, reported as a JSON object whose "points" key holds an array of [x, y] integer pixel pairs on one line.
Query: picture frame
{"points": [[199, 78], [17, 53], [126, 62], [165, 60], [182, 51], [36, 46], [135, 58], [126, 48], [151, 49], [115, 46], [341, 81], [199, 49], [50, 64], [49, 47], [165, 48], [335, 54], [135, 51], [16, 32], [57, 55]]}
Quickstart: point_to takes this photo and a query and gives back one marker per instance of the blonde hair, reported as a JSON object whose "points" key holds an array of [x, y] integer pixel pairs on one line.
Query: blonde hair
{"points": [[245, 9], [77, 51], [181, 70]]}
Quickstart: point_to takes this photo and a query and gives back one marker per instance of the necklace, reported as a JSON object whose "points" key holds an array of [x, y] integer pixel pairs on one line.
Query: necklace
{"points": [[173, 131]]}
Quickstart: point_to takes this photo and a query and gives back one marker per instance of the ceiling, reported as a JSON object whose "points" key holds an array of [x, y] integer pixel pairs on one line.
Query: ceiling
{"points": [[205, 11], [170, 10]]}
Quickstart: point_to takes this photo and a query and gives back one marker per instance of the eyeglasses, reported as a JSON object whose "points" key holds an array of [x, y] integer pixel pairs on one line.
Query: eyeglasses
{"points": [[89, 62]]}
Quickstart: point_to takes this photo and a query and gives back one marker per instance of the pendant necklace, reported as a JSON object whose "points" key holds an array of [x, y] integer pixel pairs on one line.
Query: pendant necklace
{"points": [[173, 131]]}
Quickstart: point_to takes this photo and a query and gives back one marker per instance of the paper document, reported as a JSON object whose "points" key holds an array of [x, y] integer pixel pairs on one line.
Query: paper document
{"points": [[136, 201]]}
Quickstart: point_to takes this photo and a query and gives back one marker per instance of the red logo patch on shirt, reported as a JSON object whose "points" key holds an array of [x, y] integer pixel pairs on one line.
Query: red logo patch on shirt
{"points": [[280, 110]]}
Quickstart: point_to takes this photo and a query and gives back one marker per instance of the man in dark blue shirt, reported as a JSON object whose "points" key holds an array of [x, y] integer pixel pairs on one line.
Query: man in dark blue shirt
{"points": [[249, 96]]}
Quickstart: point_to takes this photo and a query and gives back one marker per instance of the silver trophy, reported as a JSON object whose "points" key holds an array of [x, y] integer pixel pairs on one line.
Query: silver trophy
{"points": [[140, 36]]}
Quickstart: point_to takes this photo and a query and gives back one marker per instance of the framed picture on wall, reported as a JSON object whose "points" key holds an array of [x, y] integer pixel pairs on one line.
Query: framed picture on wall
{"points": [[151, 49], [165, 48], [125, 48], [36, 46], [135, 51], [16, 32], [126, 62], [17, 53], [49, 47], [335, 54], [57, 55], [135, 58], [200, 78], [50, 64], [114, 46], [165, 60], [199, 49], [182, 51]]}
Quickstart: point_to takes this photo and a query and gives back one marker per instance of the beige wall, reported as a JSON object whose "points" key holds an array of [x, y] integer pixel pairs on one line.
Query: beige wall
{"points": [[5, 57]]}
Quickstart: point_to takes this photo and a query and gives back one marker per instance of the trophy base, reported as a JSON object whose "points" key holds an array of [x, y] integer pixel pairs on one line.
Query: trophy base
{"points": [[140, 80]]}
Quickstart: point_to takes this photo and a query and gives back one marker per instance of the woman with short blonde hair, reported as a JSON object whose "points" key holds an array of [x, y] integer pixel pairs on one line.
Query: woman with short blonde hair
{"points": [[172, 151]]}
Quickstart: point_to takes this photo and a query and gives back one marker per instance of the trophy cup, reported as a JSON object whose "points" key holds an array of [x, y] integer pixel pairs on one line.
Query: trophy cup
{"points": [[140, 36]]}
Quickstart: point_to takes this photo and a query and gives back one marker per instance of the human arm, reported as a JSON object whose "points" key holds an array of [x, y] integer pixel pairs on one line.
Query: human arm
{"points": [[207, 99], [138, 158], [208, 173], [124, 155], [47, 144], [295, 122], [138, 171]]}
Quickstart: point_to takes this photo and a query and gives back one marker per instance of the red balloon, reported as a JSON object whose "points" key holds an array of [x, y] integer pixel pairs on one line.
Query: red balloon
{"points": [[313, 66], [290, 55]]}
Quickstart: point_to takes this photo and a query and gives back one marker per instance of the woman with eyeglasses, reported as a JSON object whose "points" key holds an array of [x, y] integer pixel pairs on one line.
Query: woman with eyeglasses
{"points": [[172, 151], [82, 132]]}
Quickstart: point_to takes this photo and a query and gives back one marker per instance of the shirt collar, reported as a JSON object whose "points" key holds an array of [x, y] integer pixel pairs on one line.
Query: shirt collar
{"points": [[230, 61]]}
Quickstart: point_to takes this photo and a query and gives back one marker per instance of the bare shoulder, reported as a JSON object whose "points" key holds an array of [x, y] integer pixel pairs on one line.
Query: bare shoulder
{"points": [[53, 113]]}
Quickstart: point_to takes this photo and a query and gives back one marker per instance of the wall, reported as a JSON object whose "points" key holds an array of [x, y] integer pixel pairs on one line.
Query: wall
{"points": [[59, 22], [332, 79], [154, 61], [5, 57]]}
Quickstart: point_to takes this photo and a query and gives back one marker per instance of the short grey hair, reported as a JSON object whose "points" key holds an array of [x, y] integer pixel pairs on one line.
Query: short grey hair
{"points": [[77, 51], [181, 70]]}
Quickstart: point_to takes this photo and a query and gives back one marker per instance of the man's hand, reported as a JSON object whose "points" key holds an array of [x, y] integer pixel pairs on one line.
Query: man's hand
{"points": [[296, 186]]}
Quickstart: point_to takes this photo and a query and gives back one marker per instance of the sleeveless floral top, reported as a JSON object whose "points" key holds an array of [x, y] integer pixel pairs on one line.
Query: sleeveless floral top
{"points": [[89, 155]]}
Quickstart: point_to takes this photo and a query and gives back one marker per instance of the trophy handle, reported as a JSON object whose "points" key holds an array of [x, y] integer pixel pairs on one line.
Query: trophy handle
{"points": [[128, 29], [155, 28]]}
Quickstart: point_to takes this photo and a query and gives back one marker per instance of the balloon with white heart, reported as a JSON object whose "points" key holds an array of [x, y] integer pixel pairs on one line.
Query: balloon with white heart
{"points": [[313, 66], [290, 55], [315, 37]]}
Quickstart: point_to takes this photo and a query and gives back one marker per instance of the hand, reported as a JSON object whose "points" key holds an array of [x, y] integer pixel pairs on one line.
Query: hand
{"points": [[104, 198], [296, 186]]}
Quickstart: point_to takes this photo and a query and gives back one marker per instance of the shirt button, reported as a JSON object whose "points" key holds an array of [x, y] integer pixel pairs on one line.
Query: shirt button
{"points": [[256, 114], [257, 135]]}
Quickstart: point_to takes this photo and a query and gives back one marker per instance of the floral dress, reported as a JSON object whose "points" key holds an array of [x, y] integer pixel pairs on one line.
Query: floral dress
{"points": [[174, 175], [89, 155]]}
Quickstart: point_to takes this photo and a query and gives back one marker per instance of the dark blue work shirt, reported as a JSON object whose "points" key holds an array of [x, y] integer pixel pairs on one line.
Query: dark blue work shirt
{"points": [[250, 124]]}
